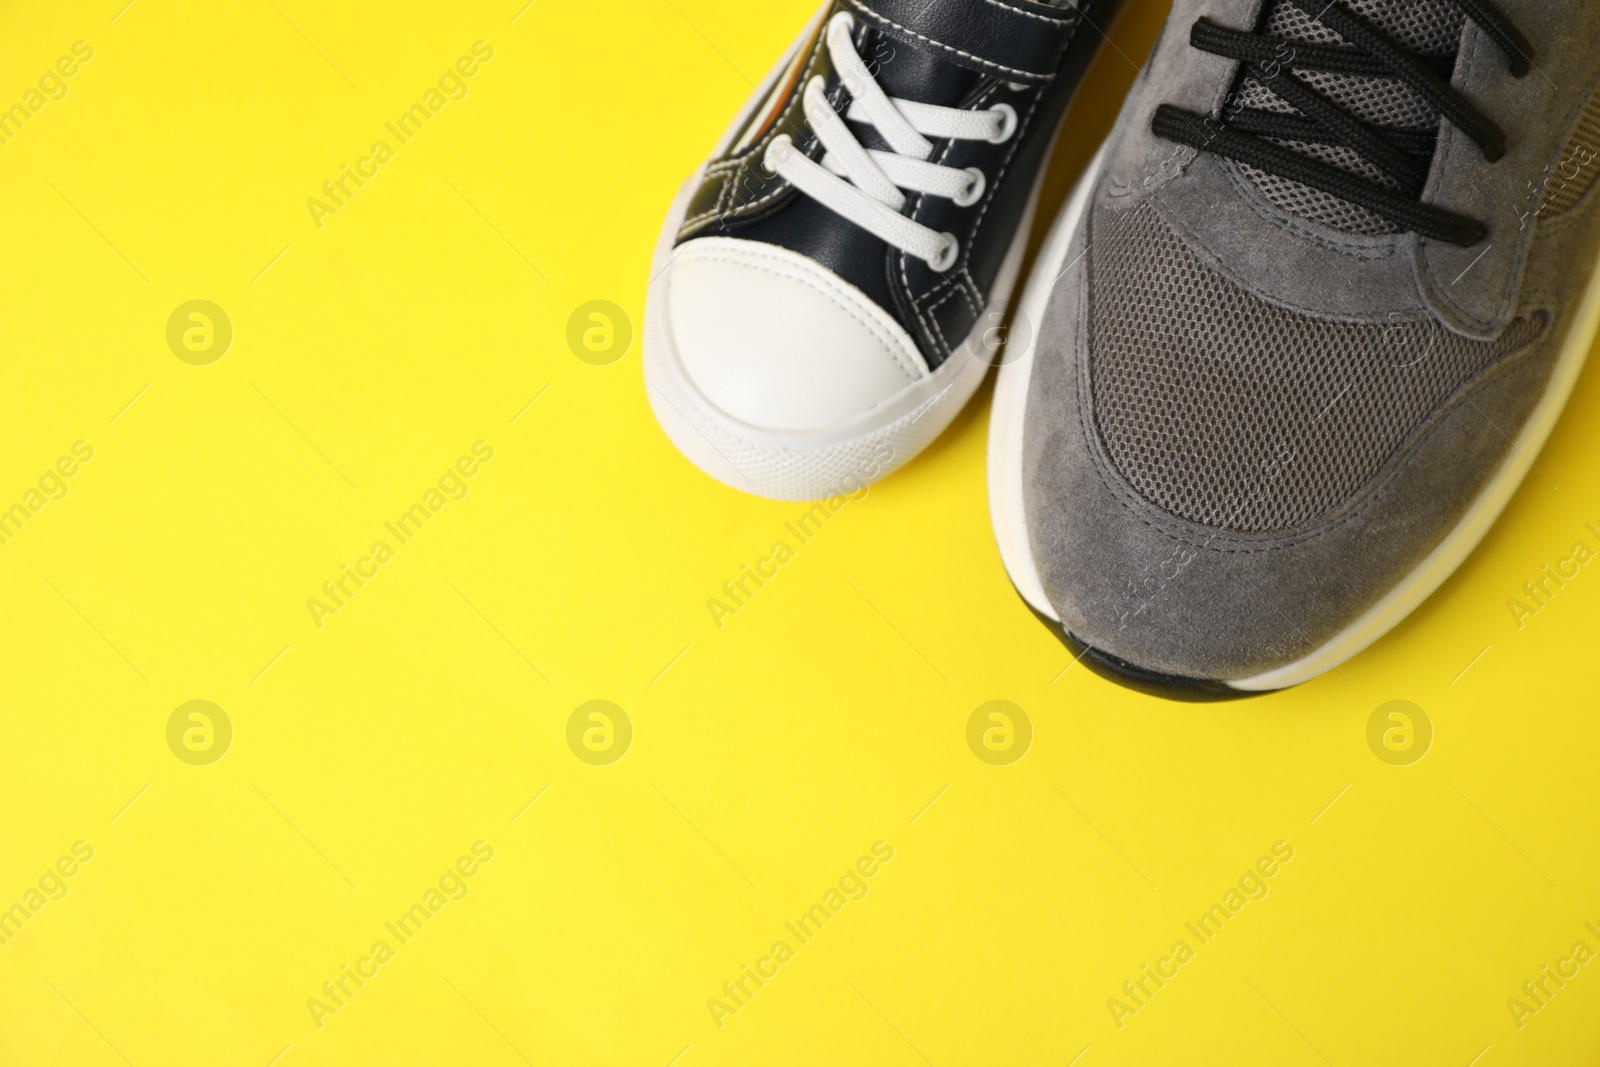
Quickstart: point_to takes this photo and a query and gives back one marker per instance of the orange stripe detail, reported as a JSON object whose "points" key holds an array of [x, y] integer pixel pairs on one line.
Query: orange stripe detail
{"points": [[788, 89]]}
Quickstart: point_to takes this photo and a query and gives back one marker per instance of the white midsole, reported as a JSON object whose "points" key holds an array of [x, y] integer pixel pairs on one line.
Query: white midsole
{"points": [[1009, 515], [1006, 508]]}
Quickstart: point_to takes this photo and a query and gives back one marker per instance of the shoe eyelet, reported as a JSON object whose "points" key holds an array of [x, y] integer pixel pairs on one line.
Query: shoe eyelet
{"points": [[948, 255], [1008, 123], [781, 148], [974, 190]]}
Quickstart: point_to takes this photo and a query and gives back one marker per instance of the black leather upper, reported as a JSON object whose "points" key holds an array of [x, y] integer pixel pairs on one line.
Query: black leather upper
{"points": [[955, 53], [1012, 39]]}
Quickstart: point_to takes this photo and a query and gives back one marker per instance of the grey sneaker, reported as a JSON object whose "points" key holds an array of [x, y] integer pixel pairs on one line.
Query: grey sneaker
{"points": [[1301, 330]]}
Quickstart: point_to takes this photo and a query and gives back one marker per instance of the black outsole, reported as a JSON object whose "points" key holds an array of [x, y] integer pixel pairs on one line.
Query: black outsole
{"points": [[1131, 676]]}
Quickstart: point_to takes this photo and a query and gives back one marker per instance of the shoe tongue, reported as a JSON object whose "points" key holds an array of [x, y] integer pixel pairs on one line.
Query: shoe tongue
{"points": [[1432, 27], [1426, 27]]}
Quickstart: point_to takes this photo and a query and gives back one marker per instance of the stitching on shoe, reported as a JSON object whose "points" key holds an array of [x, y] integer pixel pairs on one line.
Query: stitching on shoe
{"points": [[993, 188], [945, 282], [728, 183], [1032, 15], [989, 196], [1183, 230], [931, 329], [934, 335], [1377, 494], [1452, 144], [970, 291], [742, 161], [1000, 176], [1028, 75], [726, 192], [1284, 221], [943, 300], [958, 289], [1376, 491], [1118, 188]]}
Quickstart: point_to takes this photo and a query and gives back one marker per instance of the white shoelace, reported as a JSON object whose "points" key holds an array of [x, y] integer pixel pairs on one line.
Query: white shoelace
{"points": [[875, 200]]}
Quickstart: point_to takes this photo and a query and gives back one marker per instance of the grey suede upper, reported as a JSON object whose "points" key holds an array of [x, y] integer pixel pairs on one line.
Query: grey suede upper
{"points": [[1183, 599]]}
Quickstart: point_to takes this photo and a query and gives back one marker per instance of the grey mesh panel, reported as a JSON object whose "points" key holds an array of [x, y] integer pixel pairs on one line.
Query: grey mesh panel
{"points": [[1575, 175], [1429, 26], [1432, 27], [1380, 101], [1236, 414], [1304, 202]]}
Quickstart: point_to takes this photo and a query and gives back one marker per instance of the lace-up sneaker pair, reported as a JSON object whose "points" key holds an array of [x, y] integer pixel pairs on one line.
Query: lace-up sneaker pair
{"points": [[1300, 331]]}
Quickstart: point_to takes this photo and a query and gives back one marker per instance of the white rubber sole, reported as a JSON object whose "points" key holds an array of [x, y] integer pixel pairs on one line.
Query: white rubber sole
{"points": [[811, 464], [1010, 517], [1006, 509]]}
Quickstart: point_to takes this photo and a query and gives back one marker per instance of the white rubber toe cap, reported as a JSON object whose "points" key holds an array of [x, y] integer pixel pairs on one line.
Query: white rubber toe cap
{"points": [[777, 341]]}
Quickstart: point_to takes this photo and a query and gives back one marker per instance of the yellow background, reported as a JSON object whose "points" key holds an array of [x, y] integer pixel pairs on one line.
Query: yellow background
{"points": [[769, 754]]}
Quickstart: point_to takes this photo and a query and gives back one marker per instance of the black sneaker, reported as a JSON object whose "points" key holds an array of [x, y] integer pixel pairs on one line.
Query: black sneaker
{"points": [[828, 290]]}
